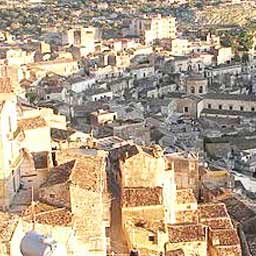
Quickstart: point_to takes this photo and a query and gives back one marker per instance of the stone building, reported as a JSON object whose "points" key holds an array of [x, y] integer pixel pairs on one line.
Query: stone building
{"points": [[186, 171], [102, 117], [79, 184], [190, 238], [196, 84], [143, 218], [11, 155], [150, 160], [37, 134]]}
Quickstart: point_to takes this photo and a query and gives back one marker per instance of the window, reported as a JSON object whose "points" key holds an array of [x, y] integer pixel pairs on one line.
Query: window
{"points": [[52, 195], [209, 106], [186, 109], [201, 89], [220, 106], [241, 108], [253, 109], [152, 238], [231, 107], [192, 89]]}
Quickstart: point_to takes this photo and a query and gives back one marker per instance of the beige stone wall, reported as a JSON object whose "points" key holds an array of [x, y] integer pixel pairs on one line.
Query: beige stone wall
{"points": [[152, 213], [139, 238], [143, 170], [195, 85], [186, 173], [188, 103], [236, 104], [190, 248], [87, 207], [8, 188]]}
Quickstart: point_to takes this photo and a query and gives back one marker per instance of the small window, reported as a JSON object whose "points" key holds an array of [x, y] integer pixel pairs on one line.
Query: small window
{"points": [[230, 107], [151, 238], [253, 109], [186, 109], [241, 108], [201, 89], [192, 89], [209, 106], [220, 106], [52, 195]]}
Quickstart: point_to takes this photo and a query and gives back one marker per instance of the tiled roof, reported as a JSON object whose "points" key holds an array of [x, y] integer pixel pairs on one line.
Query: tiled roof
{"points": [[233, 250], [5, 85], [238, 210], [189, 216], [186, 233], [224, 237], [88, 170], [49, 215], [211, 211], [178, 252], [87, 173], [8, 224], [224, 223], [60, 174], [142, 196], [185, 196], [32, 123], [60, 134]]}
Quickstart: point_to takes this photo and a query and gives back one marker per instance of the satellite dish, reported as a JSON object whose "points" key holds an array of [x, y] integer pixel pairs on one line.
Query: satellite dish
{"points": [[34, 244]]}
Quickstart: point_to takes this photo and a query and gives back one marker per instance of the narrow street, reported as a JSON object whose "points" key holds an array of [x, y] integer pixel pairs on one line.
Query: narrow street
{"points": [[117, 237]]}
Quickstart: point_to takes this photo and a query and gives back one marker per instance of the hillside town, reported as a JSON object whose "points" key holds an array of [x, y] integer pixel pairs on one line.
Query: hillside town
{"points": [[127, 128]]}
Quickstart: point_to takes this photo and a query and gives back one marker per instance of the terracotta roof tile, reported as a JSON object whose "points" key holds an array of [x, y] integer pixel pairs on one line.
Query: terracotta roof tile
{"points": [[211, 211], [186, 233], [189, 216], [5, 85], [185, 196], [224, 223], [89, 169], [32, 123], [178, 252], [8, 224], [49, 215], [224, 237], [142, 196], [233, 250]]}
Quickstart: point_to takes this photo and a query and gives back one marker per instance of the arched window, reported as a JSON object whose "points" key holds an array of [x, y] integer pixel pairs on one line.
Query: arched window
{"points": [[192, 89]]}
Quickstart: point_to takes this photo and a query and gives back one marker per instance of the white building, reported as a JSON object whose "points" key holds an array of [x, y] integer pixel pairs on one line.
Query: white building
{"points": [[11, 156], [153, 27]]}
